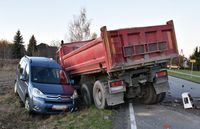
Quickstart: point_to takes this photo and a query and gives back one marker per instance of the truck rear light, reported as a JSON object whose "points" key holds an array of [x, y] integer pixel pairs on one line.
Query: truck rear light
{"points": [[117, 87], [161, 74], [116, 83]]}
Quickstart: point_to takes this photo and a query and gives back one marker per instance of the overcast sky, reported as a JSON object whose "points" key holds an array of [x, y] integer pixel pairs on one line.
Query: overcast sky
{"points": [[48, 19]]}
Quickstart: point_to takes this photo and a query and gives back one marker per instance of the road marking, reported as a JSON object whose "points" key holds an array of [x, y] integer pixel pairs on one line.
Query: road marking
{"points": [[132, 117]]}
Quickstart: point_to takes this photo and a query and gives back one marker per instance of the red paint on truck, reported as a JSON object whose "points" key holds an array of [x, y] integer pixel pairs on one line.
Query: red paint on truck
{"points": [[120, 49]]}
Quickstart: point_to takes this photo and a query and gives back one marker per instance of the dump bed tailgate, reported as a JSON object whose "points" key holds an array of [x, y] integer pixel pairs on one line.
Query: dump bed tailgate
{"points": [[133, 47]]}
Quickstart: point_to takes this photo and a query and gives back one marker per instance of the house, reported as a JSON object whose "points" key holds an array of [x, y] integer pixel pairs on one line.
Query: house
{"points": [[46, 50]]}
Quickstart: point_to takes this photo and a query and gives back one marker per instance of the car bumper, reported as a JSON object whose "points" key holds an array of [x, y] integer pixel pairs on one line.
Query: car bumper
{"points": [[41, 105]]}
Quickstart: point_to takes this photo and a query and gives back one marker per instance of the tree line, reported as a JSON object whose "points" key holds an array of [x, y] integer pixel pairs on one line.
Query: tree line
{"points": [[78, 30], [183, 63], [16, 50], [196, 56]]}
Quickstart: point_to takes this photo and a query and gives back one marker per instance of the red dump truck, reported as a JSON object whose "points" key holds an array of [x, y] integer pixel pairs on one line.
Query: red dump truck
{"points": [[122, 63]]}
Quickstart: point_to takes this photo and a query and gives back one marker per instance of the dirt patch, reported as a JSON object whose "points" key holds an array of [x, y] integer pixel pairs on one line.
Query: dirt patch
{"points": [[12, 115], [8, 64]]}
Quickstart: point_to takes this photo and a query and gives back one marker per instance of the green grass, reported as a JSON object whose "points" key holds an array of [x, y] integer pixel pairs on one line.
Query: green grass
{"points": [[88, 118], [188, 71], [184, 76]]}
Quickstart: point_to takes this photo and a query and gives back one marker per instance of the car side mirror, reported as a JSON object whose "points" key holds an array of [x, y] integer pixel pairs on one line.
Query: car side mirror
{"points": [[72, 82], [23, 77]]}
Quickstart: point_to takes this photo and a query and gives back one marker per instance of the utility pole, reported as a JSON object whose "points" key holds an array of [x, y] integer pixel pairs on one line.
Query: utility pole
{"points": [[179, 58]]}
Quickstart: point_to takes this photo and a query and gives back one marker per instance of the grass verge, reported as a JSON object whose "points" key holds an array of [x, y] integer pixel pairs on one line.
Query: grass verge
{"points": [[185, 76], [197, 73], [85, 118], [88, 118]]}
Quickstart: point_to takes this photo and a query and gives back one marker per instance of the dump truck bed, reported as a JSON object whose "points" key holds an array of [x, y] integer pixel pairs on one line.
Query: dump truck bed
{"points": [[120, 49]]}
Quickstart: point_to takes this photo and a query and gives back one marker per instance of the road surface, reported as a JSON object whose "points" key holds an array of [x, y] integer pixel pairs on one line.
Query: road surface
{"points": [[161, 116], [178, 86]]}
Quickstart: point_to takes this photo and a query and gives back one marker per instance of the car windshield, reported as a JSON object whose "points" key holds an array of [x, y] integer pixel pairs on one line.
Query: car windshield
{"points": [[48, 75]]}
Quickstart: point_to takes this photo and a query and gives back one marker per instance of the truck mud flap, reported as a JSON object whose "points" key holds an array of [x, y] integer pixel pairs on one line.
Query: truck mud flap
{"points": [[161, 87], [114, 99]]}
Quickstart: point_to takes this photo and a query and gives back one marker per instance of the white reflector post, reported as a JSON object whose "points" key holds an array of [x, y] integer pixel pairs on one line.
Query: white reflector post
{"points": [[187, 100]]}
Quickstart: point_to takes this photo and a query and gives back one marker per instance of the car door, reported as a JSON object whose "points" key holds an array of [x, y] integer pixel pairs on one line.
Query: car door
{"points": [[21, 80], [21, 68], [25, 81]]}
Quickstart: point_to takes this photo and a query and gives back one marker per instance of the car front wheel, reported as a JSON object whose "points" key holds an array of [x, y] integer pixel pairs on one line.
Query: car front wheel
{"points": [[28, 105]]}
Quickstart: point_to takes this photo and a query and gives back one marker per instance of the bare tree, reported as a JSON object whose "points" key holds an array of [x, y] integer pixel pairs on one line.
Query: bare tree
{"points": [[55, 43], [5, 49], [79, 28], [94, 35]]}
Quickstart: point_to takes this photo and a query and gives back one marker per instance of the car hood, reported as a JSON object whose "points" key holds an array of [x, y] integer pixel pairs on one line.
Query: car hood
{"points": [[54, 88]]}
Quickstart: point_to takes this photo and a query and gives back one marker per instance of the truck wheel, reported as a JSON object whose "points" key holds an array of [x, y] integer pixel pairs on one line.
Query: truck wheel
{"points": [[149, 95], [86, 91], [99, 95], [160, 97]]}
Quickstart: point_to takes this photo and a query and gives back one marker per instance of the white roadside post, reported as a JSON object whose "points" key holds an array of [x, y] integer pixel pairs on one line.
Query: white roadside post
{"points": [[187, 100], [192, 61]]}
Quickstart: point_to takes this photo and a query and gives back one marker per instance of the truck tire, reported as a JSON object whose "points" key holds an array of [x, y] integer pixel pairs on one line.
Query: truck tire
{"points": [[160, 97], [86, 91], [99, 95], [149, 96]]}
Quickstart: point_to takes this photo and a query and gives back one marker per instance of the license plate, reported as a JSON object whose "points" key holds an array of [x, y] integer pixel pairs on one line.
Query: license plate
{"points": [[59, 107]]}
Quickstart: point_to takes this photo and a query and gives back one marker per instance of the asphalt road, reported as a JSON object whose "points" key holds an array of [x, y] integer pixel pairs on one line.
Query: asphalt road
{"points": [[158, 116], [161, 116], [178, 86]]}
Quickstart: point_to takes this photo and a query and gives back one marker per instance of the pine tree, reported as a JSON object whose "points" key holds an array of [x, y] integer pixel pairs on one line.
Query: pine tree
{"points": [[32, 47], [196, 56], [18, 49]]}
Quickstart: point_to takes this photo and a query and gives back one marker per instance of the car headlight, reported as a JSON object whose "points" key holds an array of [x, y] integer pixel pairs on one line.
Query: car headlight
{"points": [[37, 93], [75, 95]]}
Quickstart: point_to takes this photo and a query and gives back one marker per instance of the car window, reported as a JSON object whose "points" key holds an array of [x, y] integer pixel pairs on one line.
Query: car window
{"points": [[21, 67], [27, 72], [48, 75]]}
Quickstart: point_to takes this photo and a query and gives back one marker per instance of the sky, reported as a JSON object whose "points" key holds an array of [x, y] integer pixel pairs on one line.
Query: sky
{"points": [[48, 20]]}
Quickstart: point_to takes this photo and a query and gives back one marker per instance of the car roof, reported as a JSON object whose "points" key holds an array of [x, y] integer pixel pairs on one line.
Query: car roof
{"points": [[43, 62]]}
